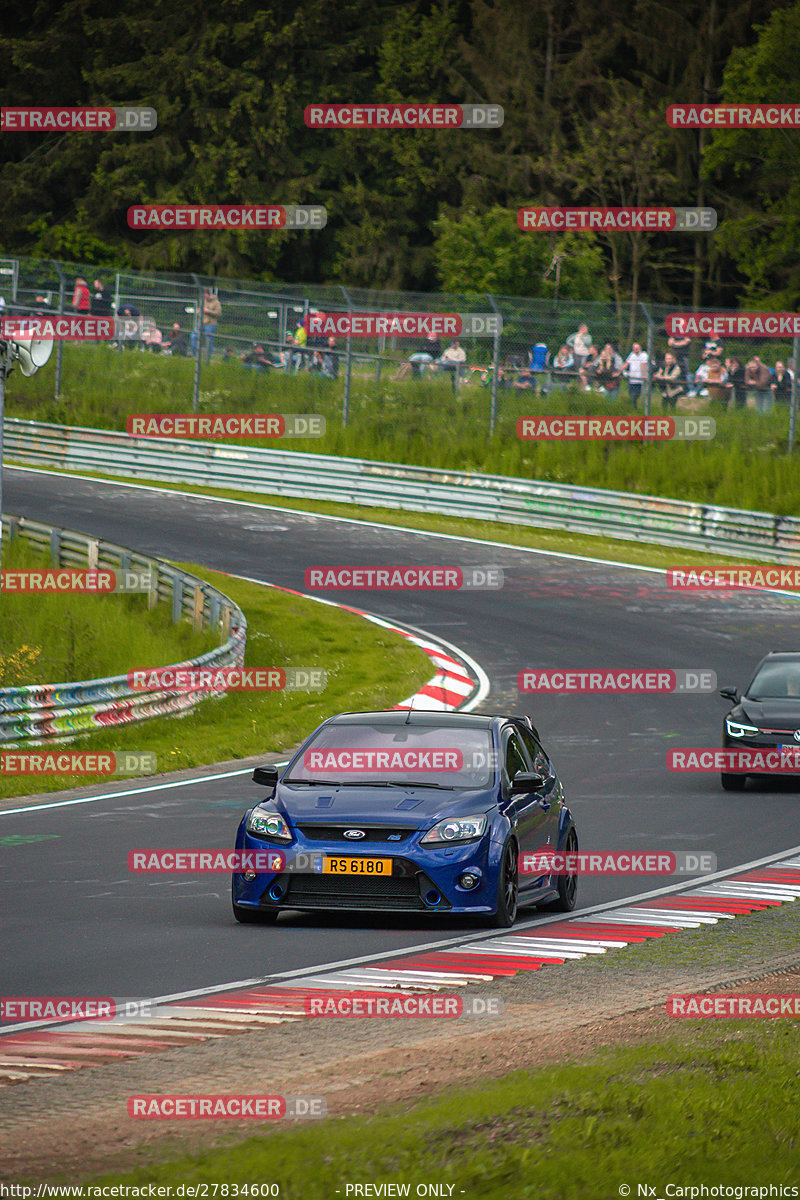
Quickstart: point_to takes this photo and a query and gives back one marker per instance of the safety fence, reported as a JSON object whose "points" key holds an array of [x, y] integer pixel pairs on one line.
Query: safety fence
{"points": [[44, 714], [264, 328], [650, 519]]}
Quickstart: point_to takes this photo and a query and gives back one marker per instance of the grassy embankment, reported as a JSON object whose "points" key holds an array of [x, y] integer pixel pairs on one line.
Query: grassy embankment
{"points": [[56, 638], [745, 466]]}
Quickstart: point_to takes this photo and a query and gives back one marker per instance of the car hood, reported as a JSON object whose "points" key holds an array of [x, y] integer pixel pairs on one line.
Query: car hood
{"points": [[772, 714], [411, 807]]}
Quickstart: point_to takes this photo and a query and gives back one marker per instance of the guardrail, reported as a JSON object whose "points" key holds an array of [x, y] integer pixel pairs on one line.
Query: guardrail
{"points": [[45, 714], [729, 531]]}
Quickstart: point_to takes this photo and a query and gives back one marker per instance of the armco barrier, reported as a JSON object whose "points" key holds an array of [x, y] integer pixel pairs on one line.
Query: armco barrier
{"points": [[422, 489], [43, 714]]}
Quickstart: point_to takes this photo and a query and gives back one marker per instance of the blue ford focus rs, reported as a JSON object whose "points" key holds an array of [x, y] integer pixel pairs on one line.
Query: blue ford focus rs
{"points": [[410, 812]]}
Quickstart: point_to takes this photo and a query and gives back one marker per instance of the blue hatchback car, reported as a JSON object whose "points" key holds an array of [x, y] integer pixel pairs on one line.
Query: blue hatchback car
{"points": [[409, 811]]}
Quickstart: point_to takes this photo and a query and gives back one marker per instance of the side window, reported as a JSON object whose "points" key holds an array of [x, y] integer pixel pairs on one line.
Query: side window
{"points": [[514, 757], [539, 759]]}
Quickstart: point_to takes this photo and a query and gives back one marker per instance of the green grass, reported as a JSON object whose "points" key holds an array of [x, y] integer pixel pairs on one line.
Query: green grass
{"points": [[422, 422], [54, 638], [713, 1102], [367, 667]]}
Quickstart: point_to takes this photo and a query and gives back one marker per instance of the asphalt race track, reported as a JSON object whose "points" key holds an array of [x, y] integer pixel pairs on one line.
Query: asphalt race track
{"points": [[76, 923]]}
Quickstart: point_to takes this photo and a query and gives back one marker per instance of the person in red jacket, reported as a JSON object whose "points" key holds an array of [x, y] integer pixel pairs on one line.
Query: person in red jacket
{"points": [[81, 297]]}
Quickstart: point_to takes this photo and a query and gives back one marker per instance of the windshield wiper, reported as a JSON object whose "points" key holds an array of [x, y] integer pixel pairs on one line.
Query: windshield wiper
{"points": [[314, 782]]}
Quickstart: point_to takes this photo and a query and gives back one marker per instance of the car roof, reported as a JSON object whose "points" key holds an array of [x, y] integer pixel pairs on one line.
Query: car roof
{"points": [[425, 717], [781, 656]]}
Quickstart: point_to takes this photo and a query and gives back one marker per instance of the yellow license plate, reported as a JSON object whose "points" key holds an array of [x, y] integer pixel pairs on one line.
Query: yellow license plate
{"points": [[356, 866]]}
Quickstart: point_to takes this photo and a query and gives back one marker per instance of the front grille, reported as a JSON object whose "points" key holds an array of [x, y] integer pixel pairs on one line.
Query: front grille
{"points": [[374, 833], [401, 892]]}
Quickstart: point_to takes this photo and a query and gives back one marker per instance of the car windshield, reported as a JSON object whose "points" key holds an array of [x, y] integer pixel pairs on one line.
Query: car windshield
{"points": [[398, 755], [776, 681]]}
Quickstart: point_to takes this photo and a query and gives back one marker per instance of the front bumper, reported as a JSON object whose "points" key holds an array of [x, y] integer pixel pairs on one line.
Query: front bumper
{"points": [[422, 879]]}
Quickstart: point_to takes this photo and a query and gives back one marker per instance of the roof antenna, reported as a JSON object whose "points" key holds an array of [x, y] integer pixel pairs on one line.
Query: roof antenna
{"points": [[410, 710]]}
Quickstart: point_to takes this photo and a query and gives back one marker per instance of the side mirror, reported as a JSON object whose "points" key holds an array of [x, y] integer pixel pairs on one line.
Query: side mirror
{"points": [[267, 776], [730, 693], [527, 781]]}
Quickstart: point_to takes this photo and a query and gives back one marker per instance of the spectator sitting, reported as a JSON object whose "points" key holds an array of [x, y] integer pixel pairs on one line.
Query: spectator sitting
{"points": [[781, 386], [179, 341], [670, 379], [563, 364], [580, 343], [758, 378], [81, 297], [635, 368], [151, 336], [737, 388], [609, 371], [129, 326], [588, 372], [429, 351], [257, 359], [452, 360]]}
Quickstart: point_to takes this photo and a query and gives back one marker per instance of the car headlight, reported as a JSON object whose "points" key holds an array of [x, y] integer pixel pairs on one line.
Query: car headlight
{"points": [[268, 824], [736, 729], [455, 829]]}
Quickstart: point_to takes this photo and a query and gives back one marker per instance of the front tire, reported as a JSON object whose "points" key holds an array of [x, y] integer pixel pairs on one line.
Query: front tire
{"points": [[254, 916], [733, 783], [507, 889], [567, 884]]}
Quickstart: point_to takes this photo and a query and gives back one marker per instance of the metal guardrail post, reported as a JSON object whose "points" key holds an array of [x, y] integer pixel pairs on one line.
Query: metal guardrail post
{"points": [[496, 344], [648, 384], [60, 347], [348, 370], [795, 365], [198, 358]]}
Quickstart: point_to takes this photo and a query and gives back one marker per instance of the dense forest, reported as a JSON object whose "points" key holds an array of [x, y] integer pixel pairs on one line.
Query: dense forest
{"points": [[584, 88]]}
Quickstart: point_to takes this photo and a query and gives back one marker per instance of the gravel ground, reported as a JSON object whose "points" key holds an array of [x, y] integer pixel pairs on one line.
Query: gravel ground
{"points": [[71, 1127]]}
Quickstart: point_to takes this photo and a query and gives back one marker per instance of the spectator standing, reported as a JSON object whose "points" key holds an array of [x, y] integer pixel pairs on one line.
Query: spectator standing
{"points": [[81, 297], [671, 380], [101, 300], [301, 341], [736, 381], [330, 360], [679, 345], [452, 360], [580, 343], [781, 386], [758, 378], [635, 369]]}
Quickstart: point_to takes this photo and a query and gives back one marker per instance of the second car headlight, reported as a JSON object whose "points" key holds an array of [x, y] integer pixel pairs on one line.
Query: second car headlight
{"points": [[268, 824], [736, 729], [455, 829]]}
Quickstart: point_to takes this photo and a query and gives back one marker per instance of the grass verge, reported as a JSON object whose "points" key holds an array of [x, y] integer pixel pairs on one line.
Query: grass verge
{"points": [[367, 667], [56, 637], [712, 1103]]}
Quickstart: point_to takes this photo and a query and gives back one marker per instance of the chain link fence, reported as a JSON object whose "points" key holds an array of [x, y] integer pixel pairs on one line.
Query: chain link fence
{"points": [[567, 356]]}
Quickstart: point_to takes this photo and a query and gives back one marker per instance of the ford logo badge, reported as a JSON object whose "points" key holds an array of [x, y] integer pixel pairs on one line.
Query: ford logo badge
{"points": [[354, 833]]}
